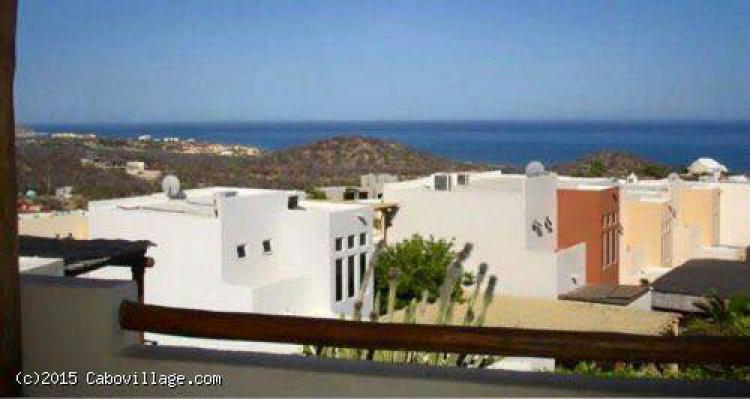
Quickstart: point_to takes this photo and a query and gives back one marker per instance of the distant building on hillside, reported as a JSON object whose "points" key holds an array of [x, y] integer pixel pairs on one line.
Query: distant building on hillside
{"points": [[64, 192], [138, 169], [245, 250], [371, 187]]}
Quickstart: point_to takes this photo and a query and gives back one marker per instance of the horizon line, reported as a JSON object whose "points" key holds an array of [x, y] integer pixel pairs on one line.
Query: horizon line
{"points": [[444, 120]]}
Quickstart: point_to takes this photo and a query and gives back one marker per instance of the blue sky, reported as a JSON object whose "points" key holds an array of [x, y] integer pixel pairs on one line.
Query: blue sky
{"points": [[165, 61]]}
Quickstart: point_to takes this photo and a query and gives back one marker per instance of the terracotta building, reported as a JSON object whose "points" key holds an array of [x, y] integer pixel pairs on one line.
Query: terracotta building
{"points": [[591, 214]]}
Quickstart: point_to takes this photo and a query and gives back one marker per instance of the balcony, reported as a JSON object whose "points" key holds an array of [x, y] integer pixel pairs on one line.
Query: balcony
{"points": [[80, 325]]}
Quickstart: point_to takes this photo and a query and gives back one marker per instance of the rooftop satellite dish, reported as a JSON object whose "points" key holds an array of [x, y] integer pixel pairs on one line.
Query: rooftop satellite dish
{"points": [[170, 185], [534, 168]]}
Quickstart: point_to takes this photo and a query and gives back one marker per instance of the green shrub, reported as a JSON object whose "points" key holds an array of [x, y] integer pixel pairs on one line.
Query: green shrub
{"points": [[423, 264]]}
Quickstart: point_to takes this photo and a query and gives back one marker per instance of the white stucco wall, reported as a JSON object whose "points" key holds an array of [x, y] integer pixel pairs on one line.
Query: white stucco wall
{"points": [[196, 259], [571, 268], [495, 215]]}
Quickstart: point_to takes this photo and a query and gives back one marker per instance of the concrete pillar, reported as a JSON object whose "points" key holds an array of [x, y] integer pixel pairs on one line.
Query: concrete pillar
{"points": [[10, 314]]}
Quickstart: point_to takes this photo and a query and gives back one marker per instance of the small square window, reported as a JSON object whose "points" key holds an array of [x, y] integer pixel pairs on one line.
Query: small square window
{"points": [[241, 251], [362, 239], [339, 243], [267, 246], [350, 241], [293, 202]]}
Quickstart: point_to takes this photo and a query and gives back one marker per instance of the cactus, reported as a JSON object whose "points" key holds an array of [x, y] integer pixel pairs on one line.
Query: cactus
{"points": [[415, 312]]}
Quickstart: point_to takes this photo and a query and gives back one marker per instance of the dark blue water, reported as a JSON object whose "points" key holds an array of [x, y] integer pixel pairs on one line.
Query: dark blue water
{"points": [[673, 143]]}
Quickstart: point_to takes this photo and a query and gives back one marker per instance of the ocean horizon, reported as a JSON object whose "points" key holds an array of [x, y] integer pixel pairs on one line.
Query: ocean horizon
{"points": [[675, 143]]}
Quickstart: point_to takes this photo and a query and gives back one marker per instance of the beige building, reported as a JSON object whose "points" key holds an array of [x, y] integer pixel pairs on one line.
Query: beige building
{"points": [[647, 238], [668, 222], [72, 224], [734, 222]]}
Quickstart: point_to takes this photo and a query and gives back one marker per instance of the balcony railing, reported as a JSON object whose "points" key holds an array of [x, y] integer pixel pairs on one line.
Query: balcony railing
{"points": [[564, 345]]}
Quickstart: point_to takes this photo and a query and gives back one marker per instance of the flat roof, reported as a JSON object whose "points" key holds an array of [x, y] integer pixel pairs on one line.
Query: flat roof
{"points": [[552, 314], [699, 277], [115, 252], [621, 295]]}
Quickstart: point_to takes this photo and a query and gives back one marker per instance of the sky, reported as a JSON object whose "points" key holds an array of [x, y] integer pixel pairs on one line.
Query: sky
{"points": [[97, 61]]}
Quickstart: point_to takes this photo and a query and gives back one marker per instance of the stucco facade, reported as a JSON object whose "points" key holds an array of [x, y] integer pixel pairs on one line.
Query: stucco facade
{"points": [[510, 219], [734, 224], [244, 250], [591, 215]]}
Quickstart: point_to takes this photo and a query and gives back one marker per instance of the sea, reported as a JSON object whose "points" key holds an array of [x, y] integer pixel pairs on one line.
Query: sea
{"points": [[675, 143]]}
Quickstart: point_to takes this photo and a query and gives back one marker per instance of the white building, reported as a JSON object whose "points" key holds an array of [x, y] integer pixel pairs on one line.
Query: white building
{"points": [[510, 219], [244, 250]]}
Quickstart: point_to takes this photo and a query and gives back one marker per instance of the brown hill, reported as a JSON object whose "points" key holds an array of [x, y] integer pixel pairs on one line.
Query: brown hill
{"points": [[612, 164], [44, 164]]}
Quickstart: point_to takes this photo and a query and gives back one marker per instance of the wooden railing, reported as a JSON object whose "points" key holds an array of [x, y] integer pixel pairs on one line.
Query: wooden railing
{"points": [[568, 345]]}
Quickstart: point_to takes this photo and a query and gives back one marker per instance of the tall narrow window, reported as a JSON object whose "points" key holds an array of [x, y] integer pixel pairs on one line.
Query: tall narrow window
{"points": [[604, 249], [339, 280], [362, 267], [267, 247], [339, 243], [362, 239], [350, 276], [350, 241]]}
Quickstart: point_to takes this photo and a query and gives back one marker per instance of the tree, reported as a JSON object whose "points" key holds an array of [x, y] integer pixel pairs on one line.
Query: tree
{"points": [[422, 264], [596, 168]]}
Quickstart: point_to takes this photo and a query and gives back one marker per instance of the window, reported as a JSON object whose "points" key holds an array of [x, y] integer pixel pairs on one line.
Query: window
{"points": [[362, 239], [293, 202], [339, 280], [350, 277], [350, 241], [462, 179], [610, 239], [362, 267], [339, 243], [241, 251], [267, 246]]}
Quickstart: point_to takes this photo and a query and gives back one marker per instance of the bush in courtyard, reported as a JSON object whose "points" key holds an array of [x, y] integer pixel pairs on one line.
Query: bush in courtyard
{"points": [[422, 264]]}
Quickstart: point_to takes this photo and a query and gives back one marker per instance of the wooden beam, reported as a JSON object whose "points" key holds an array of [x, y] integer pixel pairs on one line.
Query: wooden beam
{"points": [[10, 306], [567, 345]]}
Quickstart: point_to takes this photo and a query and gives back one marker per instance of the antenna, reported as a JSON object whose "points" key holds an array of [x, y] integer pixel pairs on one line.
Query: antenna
{"points": [[170, 185], [534, 168]]}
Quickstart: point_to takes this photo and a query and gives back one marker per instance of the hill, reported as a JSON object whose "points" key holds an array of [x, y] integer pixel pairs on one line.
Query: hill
{"points": [[44, 164], [612, 164]]}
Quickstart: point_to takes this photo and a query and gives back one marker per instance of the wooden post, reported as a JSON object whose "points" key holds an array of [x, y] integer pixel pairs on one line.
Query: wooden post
{"points": [[10, 305]]}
